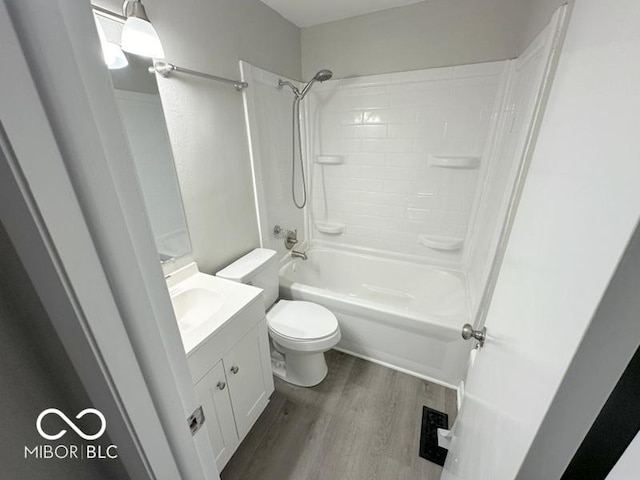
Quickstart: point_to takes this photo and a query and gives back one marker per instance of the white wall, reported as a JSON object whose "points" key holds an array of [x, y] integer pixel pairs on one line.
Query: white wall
{"points": [[270, 117], [424, 35], [385, 127], [205, 119]]}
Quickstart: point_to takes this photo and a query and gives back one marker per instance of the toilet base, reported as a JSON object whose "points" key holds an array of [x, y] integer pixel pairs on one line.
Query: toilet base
{"points": [[301, 369]]}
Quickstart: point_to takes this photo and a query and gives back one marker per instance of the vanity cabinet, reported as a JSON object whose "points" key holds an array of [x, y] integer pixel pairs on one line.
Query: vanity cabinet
{"points": [[233, 380], [213, 394], [244, 369]]}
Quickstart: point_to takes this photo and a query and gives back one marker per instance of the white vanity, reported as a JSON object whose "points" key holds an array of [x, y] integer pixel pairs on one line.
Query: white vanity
{"points": [[224, 332], [222, 323]]}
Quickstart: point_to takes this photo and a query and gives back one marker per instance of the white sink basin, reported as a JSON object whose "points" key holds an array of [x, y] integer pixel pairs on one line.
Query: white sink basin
{"points": [[195, 305], [203, 303]]}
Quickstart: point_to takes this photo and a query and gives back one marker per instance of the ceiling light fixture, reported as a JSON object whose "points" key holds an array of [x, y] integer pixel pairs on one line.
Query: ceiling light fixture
{"points": [[138, 35]]}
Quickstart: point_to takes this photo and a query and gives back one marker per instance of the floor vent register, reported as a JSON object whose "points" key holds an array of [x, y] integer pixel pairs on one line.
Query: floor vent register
{"points": [[432, 420]]}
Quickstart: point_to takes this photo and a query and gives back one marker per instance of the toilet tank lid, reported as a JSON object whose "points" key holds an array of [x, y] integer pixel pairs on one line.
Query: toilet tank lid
{"points": [[243, 268]]}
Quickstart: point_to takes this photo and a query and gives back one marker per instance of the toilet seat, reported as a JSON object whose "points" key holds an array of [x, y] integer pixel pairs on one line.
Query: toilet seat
{"points": [[301, 321], [300, 326]]}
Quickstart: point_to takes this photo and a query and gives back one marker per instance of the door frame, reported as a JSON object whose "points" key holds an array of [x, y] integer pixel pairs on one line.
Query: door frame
{"points": [[73, 208]]}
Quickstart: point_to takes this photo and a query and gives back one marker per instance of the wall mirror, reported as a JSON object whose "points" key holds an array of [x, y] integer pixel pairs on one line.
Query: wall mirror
{"points": [[142, 115]]}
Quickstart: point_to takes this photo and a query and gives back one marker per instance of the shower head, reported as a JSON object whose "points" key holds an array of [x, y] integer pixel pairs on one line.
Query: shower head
{"points": [[323, 75]]}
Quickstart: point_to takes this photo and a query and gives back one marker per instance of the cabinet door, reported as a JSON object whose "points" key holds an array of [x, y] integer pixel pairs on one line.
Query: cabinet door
{"points": [[213, 393], [245, 367]]}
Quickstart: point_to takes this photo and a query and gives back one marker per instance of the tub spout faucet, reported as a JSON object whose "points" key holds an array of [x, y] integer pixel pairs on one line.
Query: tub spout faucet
{"points": [[296, 254]]}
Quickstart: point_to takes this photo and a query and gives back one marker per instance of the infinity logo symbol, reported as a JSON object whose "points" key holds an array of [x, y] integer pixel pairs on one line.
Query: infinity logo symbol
{"points": [[70, 423]]}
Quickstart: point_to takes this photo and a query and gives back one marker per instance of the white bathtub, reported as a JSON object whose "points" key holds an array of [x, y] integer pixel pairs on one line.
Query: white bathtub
{"points": [[403, 315]]}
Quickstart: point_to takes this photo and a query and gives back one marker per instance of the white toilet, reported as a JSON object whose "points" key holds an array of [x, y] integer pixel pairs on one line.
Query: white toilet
{"points": [[300, 331]]}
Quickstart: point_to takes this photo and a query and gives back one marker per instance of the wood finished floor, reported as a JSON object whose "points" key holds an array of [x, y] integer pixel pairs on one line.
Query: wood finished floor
{"points": [[361, 423]]}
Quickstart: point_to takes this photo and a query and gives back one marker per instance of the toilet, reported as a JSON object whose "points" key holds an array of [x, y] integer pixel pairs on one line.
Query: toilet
{"points": [[300, 331]]}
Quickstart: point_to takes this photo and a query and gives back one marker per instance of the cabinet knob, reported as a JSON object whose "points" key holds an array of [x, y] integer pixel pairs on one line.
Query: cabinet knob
{"points": [[221, 385], [235, 369]]}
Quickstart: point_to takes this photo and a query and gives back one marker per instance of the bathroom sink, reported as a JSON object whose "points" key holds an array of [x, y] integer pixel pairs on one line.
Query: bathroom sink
{"points": [[194, 306], [203, 304]]}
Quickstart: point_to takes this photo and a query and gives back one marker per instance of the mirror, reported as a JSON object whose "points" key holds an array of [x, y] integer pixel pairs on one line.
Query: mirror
{"points": [[141, 111]]}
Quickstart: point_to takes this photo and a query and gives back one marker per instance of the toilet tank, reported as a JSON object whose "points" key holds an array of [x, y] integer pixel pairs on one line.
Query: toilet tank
{"points": [[258, 268]]}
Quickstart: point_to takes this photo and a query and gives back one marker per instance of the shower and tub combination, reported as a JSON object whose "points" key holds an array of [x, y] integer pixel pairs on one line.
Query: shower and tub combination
{"points": [[410, 177], [401, 314]]}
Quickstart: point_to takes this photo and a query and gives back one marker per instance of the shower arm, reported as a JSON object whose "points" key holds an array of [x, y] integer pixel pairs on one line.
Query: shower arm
{"points": [[282, 83]]}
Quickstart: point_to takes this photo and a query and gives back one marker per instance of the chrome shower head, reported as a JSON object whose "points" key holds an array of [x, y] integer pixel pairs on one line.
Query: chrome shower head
{"points": [[323, 75]]}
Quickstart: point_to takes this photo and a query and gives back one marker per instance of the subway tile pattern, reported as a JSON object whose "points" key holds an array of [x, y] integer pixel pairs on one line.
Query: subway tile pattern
{"points": [[385, 127]]}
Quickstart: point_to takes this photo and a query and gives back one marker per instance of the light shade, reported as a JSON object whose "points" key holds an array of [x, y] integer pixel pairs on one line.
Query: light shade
{"points": [[139, 37], [113, 55]]}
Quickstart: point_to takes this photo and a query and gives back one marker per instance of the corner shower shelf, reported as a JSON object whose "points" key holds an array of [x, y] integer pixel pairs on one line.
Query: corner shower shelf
{"points": [[330, 228], [330, 159], [460, 162], [436, 242]]}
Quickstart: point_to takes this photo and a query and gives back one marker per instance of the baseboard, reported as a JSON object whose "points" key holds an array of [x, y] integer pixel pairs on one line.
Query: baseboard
{"points": [[399, 369]]}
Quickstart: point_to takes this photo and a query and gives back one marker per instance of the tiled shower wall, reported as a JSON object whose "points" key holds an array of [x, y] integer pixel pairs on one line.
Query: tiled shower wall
{"points": [[384, 128], [269, 116], [525, 80]]}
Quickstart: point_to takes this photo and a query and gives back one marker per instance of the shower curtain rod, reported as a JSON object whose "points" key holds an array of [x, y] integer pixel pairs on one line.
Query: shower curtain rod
{"points": [[165, 69]]}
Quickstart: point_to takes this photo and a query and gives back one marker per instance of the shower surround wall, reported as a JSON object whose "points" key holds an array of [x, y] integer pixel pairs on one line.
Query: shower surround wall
{"points": [[268, 111], [388, 130], [380, 151], [378, 191], [515, 123]]}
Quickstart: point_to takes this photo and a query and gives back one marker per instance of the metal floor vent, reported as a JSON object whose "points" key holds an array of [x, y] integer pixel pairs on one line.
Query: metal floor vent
{"points": [[432, 420]]}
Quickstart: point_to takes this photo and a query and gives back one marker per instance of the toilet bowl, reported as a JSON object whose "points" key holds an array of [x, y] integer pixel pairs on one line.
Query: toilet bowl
{"points": [[300, 331]]}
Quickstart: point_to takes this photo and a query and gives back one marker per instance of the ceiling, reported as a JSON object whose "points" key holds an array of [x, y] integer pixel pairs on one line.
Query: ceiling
{"points": [[305, 13]]}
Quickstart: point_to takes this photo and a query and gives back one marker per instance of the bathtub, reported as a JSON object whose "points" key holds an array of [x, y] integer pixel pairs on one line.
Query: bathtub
{"points": [[402, 315]]}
